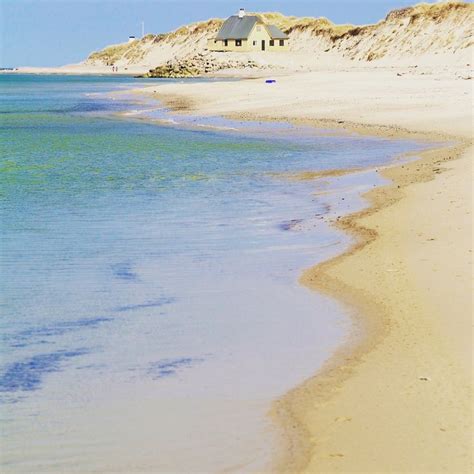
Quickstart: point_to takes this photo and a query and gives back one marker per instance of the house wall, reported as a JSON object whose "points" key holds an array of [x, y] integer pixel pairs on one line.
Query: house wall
{"points": [[219, 45], [258, 33], [276, 47]]}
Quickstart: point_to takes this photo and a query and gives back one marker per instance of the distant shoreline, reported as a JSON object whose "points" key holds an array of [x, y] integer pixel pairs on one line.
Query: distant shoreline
{"points": [[65, 72]]}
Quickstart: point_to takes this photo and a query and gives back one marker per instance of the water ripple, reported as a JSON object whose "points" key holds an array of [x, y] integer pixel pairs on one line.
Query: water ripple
{"points": [[150, 304], [35, 335], [27, 375], [167, 367]]}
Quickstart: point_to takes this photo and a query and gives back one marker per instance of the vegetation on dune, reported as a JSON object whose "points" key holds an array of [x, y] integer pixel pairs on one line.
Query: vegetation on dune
{"points": [[423, 11], [136, 50], [431, 11], [133, 51], [129, 51], [110, 54], [289, 24], [206, 27]]}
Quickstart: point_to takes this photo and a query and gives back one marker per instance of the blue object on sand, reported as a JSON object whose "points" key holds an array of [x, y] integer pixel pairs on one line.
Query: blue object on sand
{"points": [[270, 81]]}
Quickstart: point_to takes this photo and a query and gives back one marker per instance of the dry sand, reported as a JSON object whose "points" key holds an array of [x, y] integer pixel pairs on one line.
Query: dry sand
{"points": [[397, 397]]}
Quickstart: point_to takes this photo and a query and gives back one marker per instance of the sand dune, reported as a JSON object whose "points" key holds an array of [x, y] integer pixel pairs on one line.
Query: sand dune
{"points": [[440, 33]]}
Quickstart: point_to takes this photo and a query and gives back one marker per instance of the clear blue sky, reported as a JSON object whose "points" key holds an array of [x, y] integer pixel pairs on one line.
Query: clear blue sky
{"points": [[57, 32]]}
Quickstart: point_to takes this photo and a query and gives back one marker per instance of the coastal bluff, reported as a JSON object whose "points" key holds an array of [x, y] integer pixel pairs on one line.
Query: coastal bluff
{"points": [[426, 34]]}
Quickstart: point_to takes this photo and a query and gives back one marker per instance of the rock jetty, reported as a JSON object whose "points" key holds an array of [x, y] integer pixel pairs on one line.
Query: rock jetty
{"points": [[198, 65]]}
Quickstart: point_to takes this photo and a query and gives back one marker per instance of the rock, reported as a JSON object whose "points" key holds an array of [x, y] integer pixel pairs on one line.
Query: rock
{"points": [[196, 65]]}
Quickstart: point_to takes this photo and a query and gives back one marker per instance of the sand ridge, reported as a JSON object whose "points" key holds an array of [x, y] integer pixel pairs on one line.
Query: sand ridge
{"points": [[423, 33]]}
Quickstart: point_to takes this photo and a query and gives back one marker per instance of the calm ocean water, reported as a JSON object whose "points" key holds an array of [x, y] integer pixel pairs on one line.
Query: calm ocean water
{"points": [[150, 301]]}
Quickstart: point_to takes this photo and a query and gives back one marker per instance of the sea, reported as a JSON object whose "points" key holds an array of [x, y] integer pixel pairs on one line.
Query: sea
{"points": [[150, 263]]}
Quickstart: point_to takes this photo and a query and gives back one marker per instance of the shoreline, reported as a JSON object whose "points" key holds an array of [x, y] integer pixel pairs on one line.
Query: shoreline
{"points": [[372, 322], [325, 440]]}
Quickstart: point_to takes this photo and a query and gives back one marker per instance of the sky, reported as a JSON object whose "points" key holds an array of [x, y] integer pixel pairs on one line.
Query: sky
{"points": [[58, 32]]}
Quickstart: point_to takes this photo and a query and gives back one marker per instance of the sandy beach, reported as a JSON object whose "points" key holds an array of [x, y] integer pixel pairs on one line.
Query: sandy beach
{"points": [[397, 397], [120, 234]]}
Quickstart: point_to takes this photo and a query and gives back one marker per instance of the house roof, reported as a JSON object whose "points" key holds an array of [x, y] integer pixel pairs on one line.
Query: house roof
{"points": [[275, 32], [237, 28]]}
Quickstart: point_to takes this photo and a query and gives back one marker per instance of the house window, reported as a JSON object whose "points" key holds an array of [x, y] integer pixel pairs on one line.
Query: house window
{"points": [[255, 43], [238, 42], [226, 43], [282, 42], [272, 42]]}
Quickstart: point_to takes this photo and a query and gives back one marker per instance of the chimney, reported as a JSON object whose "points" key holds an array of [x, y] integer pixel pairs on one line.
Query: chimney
{"points": [[241, 13]]}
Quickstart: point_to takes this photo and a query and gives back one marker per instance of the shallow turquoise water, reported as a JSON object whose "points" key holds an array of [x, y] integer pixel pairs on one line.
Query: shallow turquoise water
{"points": [[151, 309]]}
